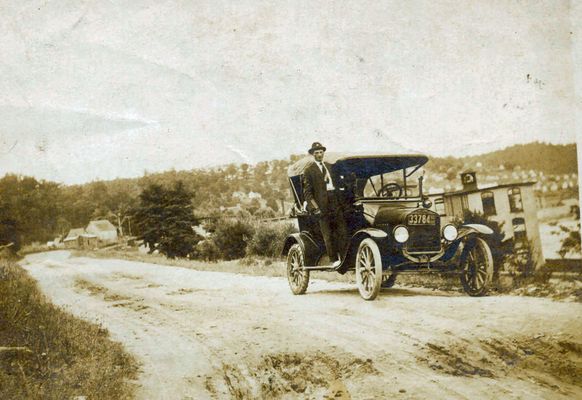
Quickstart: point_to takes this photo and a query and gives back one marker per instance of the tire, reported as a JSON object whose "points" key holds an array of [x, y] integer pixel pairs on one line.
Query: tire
{"points": [[389, 281], [298, 278], [476, 267], [368, 269]]}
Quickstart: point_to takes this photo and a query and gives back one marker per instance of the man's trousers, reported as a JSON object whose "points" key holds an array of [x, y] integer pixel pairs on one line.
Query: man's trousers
{"points": [[333, 228]]}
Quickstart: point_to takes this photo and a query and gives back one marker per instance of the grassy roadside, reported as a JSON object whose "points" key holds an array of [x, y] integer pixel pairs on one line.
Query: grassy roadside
{"points": [[59, 356], [538, 285], [255, 266]]}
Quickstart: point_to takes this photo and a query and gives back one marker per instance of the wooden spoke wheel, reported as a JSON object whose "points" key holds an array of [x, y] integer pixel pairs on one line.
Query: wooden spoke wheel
{"points": [[476, 267], [298, 277], [368, 269]]}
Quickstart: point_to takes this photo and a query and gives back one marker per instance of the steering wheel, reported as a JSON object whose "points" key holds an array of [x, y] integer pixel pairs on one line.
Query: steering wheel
{"points": [[389, 189]]}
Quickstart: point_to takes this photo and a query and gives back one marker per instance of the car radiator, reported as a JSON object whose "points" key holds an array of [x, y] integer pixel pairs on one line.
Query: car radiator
{"points": [[424, 238]]}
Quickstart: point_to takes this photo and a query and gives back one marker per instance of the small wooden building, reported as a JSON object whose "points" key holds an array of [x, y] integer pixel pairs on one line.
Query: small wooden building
{"points": [[88, 241], [513, 204], [72, 239]]}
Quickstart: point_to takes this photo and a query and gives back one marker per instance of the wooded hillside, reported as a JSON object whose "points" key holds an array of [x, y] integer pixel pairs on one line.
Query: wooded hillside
{"points": [[39, 210]]}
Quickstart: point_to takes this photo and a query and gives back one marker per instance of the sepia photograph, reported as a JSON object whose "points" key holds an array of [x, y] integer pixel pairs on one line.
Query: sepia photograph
{"points": [[320, 199]]}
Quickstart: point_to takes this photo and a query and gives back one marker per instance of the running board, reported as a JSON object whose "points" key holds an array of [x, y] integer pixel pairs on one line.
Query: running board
{"points": [[321, 268]]}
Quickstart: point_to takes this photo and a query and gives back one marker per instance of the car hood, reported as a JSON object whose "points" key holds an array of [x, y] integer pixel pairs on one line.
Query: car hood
{"points": [[386, 214]]}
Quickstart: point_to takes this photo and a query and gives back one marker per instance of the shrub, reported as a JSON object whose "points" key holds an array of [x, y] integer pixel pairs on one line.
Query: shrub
{"points": [[231, 236], [571, 243], [521, 264], [266, 212], [268, 239], [206, 250], [34, 247]]}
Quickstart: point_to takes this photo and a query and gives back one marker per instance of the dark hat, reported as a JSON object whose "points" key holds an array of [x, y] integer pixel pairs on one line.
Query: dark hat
{"points": [[316, 146]]}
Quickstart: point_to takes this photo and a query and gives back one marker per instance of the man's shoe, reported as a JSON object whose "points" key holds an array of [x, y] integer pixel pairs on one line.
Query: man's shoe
{"points": [[336, 263]]}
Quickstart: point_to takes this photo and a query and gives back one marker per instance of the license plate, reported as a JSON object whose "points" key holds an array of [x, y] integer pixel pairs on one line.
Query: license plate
{"points": [[422, 219]]}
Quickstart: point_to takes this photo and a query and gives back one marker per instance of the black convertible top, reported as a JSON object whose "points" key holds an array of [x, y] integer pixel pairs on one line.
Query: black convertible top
{"points": [[363, 166], [366, 166]]}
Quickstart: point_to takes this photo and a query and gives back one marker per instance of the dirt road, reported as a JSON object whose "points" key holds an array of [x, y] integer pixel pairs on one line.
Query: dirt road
{"points": [[207, 335]]}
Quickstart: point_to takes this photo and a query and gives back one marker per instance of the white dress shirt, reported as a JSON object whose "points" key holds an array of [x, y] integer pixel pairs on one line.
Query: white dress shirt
{"points": [[326, 174]]}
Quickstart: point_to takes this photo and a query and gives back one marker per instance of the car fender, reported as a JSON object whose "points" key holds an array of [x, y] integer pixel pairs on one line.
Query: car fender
{"points": [[349, 258], [469, 229], [311, 250], [466, 232], [374, 233]]}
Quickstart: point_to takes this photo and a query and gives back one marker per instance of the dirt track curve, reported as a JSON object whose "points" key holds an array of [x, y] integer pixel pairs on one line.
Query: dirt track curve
{"points": [[210, 335]]}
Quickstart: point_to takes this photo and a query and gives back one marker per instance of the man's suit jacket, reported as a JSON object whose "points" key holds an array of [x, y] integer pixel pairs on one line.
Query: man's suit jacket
{"points": [[314, 187]]}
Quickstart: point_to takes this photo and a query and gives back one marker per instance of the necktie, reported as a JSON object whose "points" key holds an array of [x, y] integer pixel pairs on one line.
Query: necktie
{"points": [[324, 170]]}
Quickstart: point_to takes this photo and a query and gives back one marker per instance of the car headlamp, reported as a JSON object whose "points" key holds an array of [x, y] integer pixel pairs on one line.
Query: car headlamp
{"points": [[401, 234], [450, 232]]}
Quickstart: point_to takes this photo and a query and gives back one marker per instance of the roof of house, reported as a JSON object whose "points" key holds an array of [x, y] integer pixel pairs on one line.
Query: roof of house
{"points": [[103, 225], [75, 233], [482, 189]]}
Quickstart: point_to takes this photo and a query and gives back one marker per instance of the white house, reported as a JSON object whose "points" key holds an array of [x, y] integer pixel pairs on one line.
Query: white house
{"points": [[103, 229]]}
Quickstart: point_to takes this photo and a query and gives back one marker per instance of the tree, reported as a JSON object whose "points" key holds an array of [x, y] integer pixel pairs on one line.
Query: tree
{"points": [[9, 231], [165, 218], [30, 205]]}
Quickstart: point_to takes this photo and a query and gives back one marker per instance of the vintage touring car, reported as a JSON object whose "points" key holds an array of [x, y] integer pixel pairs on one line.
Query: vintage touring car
{"points": [[392, 228]]}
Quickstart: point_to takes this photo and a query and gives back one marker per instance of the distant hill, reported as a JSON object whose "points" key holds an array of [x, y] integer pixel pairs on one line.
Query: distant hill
{"points": [[551, 159], [223, 186]]}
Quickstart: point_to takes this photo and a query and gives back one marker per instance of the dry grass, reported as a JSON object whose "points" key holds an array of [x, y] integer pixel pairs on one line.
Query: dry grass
{"points": [[253, 265], [33, 248], [447, 282], [249, 266], [264, 266], [65, 357]]}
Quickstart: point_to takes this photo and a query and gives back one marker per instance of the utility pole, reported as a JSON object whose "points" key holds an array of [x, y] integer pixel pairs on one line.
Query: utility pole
{"points": [[119, 225]]}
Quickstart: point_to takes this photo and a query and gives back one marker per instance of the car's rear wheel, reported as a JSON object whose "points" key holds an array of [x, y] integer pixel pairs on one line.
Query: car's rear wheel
{"points": [[368, 269], [297, 276], [388, 281], [476, 267]]}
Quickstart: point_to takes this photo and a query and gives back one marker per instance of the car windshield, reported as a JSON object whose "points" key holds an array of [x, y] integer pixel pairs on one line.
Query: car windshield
{"points": [[393, 185]]}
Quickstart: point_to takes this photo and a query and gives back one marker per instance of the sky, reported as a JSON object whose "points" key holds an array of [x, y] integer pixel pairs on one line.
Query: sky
{"points": [[104, 89]]}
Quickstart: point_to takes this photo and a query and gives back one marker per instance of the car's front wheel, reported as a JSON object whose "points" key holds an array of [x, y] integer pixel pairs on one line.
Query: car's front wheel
{"points": [[297, 276], [476, 267], [368, 269]]}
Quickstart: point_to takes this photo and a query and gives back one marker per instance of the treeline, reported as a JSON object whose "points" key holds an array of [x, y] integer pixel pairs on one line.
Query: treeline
{"points": [[551, 159], [28, 209], [40, 210], [34, 210]]}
